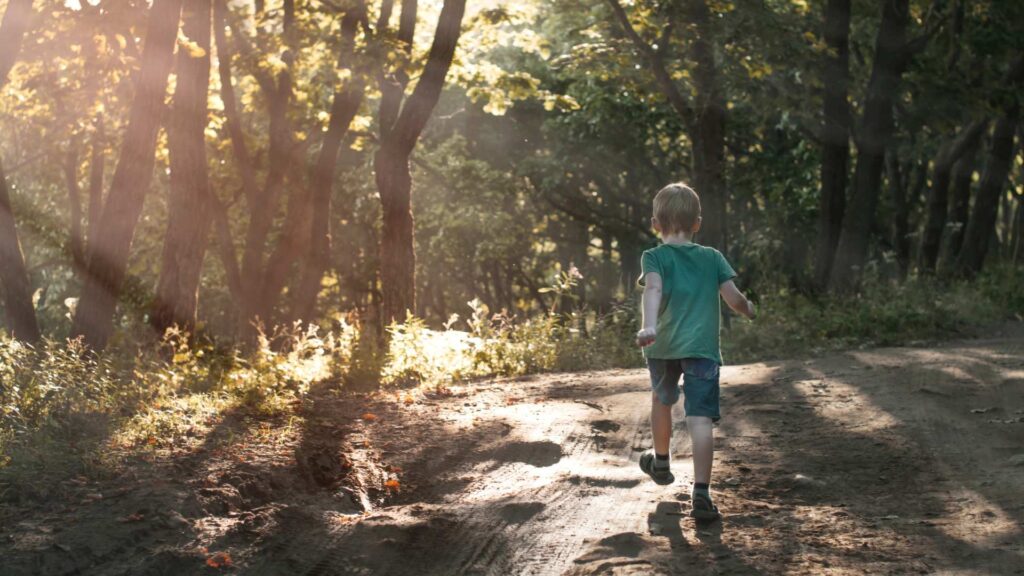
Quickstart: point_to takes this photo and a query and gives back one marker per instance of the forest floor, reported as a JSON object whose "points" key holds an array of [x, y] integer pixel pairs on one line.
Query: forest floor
{"points": [[895, 460]]}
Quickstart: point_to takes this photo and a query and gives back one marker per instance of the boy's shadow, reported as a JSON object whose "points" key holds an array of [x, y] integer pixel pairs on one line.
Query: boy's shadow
{"points": [[666, 520], [709, 531]]}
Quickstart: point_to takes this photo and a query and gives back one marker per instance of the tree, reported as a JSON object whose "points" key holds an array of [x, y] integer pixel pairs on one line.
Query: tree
{"points": [[20, 313], [705, 118], [401, 125], [108, 252], [997, 167], [937, 204], [892, 55], [257, 284], [188, 219], [959, 207], [835, 137]]}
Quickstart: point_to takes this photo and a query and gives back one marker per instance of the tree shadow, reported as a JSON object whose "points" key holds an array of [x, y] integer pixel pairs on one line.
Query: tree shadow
{"points": [[897, 471]]}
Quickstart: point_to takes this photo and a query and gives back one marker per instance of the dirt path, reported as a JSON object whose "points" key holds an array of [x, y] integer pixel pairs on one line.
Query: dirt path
{"points": [[906, 460]]}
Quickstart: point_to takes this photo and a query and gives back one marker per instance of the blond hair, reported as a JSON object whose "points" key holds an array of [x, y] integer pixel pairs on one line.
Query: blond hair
{"points": [[677, 208]]}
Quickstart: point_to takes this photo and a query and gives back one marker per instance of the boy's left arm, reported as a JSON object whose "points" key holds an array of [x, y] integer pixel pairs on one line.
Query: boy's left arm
{"points": [[736, 300]]}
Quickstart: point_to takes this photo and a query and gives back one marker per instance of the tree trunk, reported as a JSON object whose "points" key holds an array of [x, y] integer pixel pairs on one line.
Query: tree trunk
{"points": [[108, 254], [391, 166], [904, 182], [959, 208], [708, 131], [938, 197], [20, 314], [979, 228], [397, 254], [95, 182], [75, 238], [1017, 238], [891, 59], [15, 22], [188, 220], [629, 262], [835, 153]]}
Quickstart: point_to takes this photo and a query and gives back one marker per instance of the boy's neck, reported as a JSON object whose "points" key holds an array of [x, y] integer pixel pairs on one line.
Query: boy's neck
{"points": [[677, 238]]}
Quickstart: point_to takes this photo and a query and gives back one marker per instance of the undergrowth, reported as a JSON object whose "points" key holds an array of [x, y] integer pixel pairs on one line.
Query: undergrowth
{"points": [[882, 313]]}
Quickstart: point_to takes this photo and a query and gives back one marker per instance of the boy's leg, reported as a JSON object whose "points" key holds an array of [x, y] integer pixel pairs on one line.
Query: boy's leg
{"points": [[661, 425], [665, 376], [702, 437], [700, 385]]}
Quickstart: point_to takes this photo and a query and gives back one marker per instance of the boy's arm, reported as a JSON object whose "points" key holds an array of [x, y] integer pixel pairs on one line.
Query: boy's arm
{"points": [[736, 300], [650, 302]]}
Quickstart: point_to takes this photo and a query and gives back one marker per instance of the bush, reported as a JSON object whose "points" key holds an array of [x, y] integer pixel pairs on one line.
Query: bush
{"points": [[65, 411], [883, 313]]}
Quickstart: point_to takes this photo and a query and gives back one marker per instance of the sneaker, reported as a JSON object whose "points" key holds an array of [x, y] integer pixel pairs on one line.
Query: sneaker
{"points": [[703, 508], [660, 474]]}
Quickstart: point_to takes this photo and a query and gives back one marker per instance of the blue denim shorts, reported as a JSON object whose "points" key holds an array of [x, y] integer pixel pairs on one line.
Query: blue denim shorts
{"points": [[700, 384]]}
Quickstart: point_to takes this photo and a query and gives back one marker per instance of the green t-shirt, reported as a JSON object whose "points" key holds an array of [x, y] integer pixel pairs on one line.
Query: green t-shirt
{"points": [[688, 320]]}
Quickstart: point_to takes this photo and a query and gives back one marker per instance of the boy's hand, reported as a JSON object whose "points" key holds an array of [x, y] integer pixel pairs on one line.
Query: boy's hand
{"points": [[645, 337]]}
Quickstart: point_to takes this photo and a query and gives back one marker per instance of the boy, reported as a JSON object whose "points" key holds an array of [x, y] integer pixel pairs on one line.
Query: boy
{"points": [[680, 336]]}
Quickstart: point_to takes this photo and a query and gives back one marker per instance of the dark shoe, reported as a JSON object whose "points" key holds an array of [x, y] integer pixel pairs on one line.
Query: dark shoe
{"points": [[661, 475], [703, 509]]}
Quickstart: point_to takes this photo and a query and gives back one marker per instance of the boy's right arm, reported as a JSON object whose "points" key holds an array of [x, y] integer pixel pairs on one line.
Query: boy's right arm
{"points": [[736, 300], [650, 302]]}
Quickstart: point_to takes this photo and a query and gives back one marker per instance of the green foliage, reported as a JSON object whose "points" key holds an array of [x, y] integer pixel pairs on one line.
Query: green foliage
{"points": [[287, 362]]}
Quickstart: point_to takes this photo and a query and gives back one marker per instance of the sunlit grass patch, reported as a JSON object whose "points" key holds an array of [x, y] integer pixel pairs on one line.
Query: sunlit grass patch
{"points": [[503, 345], [178, 422], [67, 412], [418, 355]]}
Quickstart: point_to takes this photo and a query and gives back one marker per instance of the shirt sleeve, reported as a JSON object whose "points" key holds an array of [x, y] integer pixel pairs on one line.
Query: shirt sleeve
{"points": [[725, 271], [648, 263]]}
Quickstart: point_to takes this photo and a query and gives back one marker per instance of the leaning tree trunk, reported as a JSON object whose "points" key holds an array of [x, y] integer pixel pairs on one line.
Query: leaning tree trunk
{"points": [[108, 252], [983, 219], [391, 166], [188, 220], [708, 130], [344, 107], [937, 204], [835, 153], [876, 126], [20, 313]]}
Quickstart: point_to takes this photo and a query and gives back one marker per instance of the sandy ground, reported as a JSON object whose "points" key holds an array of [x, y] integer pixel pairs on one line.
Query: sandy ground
{"points": [[886, 461]]}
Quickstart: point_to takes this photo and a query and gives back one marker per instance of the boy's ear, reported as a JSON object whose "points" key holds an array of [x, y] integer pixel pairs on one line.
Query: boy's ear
{"points": [[696, 225], [655, 225]]}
